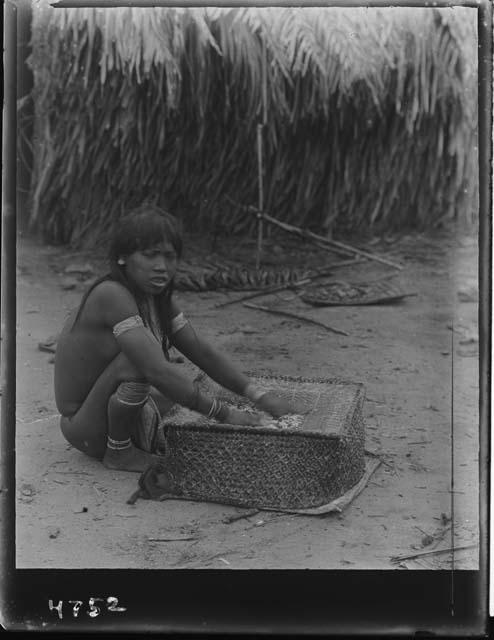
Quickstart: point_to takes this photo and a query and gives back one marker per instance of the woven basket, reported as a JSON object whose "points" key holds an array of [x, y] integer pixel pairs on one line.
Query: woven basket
{"points": [[292, 468]]}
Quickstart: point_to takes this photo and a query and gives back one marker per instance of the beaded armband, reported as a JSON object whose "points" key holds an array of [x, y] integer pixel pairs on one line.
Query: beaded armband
{"points": [[129, 323]]}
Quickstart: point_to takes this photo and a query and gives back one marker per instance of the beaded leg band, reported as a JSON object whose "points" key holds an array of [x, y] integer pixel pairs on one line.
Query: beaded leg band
{"points": [[133, 393], [118, 445]]}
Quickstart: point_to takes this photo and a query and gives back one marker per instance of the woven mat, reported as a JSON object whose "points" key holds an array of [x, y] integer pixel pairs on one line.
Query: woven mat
{"points": [[348, 294], [150, 489], [343, 501]]}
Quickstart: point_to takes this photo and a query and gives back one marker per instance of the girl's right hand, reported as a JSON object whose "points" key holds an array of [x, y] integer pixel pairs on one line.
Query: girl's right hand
{"points": [[236, 416]]}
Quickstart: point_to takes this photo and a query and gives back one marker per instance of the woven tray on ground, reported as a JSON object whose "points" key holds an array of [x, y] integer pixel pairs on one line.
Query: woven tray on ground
{"points": [[292, 468], [348, 294]]}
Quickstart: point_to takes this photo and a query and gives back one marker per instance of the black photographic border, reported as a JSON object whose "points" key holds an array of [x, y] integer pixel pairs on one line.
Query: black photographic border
{"points": [[253, 602]]}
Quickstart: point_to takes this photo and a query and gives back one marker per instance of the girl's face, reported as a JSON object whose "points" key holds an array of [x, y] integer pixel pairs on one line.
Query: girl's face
{"points": [[152, 269]]}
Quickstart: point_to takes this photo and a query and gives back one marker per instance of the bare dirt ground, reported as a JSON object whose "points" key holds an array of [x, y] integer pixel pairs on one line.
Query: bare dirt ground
{"points": [[72, 512]]}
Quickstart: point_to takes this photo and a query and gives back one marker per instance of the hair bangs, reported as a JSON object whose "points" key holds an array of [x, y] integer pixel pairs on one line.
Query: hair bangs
{"points": [[144, 228]]}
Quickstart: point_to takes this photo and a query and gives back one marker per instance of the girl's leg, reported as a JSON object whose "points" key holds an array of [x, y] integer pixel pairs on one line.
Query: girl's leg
{"points": [[125, 409], [163, 403], [104, 423]]}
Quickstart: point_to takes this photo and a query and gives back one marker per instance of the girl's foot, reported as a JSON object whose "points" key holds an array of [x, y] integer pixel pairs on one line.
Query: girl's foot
{"points": [[129, 459]]}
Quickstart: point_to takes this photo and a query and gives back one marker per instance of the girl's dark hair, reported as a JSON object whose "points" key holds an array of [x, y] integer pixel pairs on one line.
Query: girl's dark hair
{"points": [[140, 229]]}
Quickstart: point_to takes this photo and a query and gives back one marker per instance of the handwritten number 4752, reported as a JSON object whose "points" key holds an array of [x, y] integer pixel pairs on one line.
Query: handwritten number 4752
{"points": [[93, 611]]}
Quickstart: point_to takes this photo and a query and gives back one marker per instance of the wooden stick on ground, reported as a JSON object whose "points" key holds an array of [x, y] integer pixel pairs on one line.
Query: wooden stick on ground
{"points": [[289, 285], [240, 516], [376, 455], [431, 553], [279, 312], [309, 235], [183, 539]]}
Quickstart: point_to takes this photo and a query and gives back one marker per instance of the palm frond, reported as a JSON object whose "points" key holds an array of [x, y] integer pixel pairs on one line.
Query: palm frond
{"points": [[372, 115]]}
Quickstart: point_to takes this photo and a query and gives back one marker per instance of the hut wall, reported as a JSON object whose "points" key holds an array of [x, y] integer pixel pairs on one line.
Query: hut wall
{"points": [[182, 133]]}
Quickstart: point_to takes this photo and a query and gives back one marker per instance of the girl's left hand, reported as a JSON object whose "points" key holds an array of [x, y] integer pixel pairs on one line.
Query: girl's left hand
{"points": [[272, 403], [236, 416]]}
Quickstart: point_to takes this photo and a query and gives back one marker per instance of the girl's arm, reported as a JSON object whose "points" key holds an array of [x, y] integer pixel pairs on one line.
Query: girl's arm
{"points": [[218, 367], [210, 360], [116, 305]]}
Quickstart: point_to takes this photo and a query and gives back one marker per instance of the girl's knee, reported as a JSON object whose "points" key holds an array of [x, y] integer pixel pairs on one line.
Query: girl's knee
{"points": [[125, 371]]}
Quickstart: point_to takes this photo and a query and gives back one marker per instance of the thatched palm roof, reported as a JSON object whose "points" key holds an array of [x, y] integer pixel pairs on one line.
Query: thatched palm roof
{"points": [[395, 68]]}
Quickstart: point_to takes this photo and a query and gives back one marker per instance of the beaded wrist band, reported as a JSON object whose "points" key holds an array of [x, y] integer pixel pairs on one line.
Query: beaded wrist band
{"points": [[216, 409], [254, 393]]}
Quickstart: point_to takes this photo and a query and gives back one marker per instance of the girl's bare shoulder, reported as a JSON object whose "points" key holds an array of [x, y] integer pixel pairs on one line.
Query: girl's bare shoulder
{"points": [[111, 298], [109, 289]]}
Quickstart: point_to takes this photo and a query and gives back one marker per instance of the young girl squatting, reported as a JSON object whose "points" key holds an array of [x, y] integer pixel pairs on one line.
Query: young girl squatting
{"points": [[111, 367]]}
